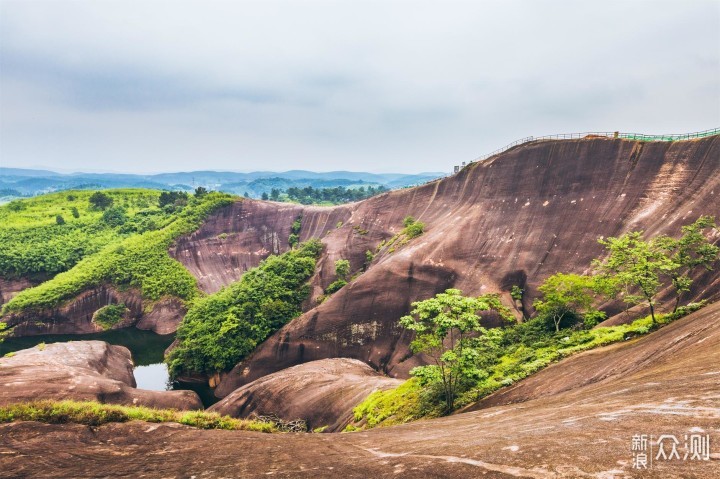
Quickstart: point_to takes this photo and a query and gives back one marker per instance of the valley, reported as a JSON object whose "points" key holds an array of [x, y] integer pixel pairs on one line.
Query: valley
{"points": [[293, 311]]}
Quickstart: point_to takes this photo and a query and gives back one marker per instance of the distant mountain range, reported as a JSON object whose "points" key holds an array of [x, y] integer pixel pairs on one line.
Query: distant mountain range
{"points": [[19, 182]]}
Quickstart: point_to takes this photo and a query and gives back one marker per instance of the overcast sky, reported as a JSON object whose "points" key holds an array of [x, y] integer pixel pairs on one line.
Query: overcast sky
{"points": [[148, 86]]}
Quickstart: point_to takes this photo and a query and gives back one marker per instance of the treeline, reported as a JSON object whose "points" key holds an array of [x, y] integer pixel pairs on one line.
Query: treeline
{"points": [[310, 195]]}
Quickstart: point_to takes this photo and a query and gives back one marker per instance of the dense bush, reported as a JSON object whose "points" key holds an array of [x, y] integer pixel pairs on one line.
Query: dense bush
{"points": [[221, 329]]}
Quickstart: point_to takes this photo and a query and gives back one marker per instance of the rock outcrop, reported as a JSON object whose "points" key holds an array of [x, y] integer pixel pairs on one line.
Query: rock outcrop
{"points": [[515, 219], [11, 287], [322, 393], [83, 371], [76, 315], [581, 432]]}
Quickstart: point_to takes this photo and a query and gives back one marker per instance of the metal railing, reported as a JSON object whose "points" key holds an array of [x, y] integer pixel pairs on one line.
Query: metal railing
{"points": [[604, 134]]}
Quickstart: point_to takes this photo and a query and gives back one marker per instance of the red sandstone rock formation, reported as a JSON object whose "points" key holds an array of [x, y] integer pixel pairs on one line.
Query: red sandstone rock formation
{"points": [[321, 393], [515, 219], [82, 371]]}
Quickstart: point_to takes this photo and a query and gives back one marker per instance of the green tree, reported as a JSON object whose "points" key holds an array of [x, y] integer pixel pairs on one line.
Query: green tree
{"points": [[691, 251], [342, 269], [445, 327], [636, 267], [100, 200], [275, 194], [75, 212], [264, 196], [59, 220], [200, 191], [565, 296], [114, 217]]}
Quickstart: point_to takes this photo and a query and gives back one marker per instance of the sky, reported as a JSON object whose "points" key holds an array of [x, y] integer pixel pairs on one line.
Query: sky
{"points": [[402, 86]]}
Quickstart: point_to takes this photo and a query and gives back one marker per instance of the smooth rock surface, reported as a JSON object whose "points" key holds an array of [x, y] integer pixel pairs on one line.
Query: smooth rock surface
{"points": [[322, 393], [82, 371]]}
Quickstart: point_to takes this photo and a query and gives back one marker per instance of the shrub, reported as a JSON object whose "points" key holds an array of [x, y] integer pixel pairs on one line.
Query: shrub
{"points": [[59, 220], [335, 286], [108, 316]]}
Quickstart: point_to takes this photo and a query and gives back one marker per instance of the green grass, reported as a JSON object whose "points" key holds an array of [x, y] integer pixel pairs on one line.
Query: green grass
{"points": [[511, 355], [136, 259], [390, 407], [92, 413]]}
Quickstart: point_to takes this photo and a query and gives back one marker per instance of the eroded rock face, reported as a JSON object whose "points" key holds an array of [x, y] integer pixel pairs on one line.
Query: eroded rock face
{"points": [[76, 316], [83, 371], [11, 287], [584, 431], [516, 219], [322, 393], [239, 236]]}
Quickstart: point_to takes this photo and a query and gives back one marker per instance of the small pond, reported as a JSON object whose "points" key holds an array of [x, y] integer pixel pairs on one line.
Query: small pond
{"points": [[147, 350]]}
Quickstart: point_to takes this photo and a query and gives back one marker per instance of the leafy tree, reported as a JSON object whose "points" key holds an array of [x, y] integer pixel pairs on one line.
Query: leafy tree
{"points": [[59, 220], [265, 196], [342, 269], [100, 200], [75, 212], [691, 251], [446, 327], [275, 194], [114, 217], [636, 267], [200, 191], [565, 296], [175, 198]]}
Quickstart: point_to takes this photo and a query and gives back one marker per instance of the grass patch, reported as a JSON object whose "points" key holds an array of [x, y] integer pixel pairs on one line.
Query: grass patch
{"points": [[108, 316], [390, 407], [92, 413]]}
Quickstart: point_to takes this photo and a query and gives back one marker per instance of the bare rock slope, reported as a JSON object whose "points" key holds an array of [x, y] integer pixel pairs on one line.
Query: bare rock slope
{"points": [[582, 429], [322, 393], [82, 371], [515, 219]]}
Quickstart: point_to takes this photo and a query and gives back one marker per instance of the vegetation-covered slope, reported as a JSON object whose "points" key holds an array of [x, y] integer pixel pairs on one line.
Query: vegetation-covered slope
{"points": [[124, 244]]}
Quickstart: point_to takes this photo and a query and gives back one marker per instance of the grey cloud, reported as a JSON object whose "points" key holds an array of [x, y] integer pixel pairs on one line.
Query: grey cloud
{"points": [[391, 85]]}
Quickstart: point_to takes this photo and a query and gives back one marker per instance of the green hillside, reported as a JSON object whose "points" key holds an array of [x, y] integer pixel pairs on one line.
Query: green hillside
{"points": [[75, 245]]}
